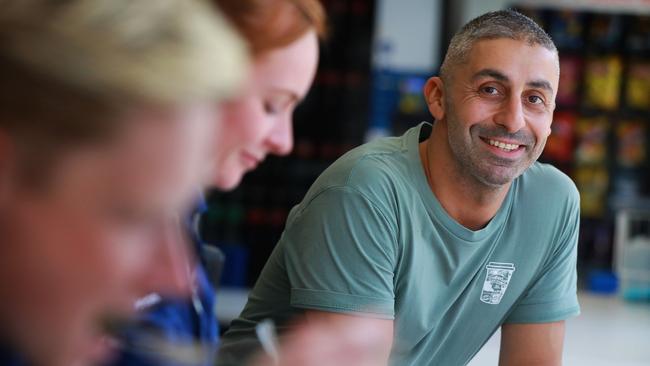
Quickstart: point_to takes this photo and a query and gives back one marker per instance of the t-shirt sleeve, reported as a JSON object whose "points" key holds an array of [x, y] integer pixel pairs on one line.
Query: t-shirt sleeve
{"points": [[340, 255], [553, 296]]}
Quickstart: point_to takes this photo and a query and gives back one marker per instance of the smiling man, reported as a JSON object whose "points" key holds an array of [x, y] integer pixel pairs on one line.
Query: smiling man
{"points": [[451, 231]]}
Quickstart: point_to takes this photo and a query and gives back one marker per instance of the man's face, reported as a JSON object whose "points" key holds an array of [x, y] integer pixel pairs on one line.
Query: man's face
{"points": [[499, 108], [76, 255]]}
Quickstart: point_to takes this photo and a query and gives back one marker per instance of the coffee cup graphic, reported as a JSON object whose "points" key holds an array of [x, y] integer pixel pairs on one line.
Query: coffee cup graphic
{"points": [[496, 281]]}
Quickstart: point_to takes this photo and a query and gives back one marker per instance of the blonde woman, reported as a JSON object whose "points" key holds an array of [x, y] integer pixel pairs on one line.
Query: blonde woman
{"points": [[106, 121]]}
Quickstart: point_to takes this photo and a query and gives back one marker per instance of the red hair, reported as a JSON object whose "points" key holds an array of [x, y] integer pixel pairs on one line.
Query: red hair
{"points": [[270, 24]]}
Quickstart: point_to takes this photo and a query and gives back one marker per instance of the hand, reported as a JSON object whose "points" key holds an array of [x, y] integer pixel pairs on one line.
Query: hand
{"points": [[353, 342]]}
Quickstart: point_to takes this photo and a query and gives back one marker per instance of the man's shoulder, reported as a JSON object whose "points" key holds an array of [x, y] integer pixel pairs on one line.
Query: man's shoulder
{"points": [[545, 180], [376, 173], [366, 167]]}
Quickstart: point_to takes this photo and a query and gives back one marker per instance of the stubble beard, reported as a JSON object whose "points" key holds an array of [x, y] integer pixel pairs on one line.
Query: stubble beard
{"points": [[486, 172]]}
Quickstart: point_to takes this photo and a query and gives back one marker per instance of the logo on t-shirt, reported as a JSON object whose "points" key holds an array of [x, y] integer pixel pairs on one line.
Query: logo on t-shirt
{"points": [[496, 281]]}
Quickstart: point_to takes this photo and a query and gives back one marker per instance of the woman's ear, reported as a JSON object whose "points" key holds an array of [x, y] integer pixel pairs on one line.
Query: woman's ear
{"points": [[434, 94]]}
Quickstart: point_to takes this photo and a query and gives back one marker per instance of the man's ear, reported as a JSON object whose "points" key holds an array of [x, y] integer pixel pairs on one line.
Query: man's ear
{"points": [[434, 94]]}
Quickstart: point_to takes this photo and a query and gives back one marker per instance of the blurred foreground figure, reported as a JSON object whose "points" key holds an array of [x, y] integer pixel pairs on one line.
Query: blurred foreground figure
{"points": [[283, 39], [107, 115]]}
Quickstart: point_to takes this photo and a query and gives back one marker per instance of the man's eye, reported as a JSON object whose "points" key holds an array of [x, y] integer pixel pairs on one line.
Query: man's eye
{"points": [[534, 99], [490, 90]]}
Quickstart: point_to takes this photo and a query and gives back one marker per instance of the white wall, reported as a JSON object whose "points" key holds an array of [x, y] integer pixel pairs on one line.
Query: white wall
{"points": [[407, 35], [465, 10]]}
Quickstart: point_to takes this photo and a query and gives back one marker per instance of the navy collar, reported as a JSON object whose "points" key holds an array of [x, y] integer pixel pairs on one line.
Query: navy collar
{"points": [[10, 358]]}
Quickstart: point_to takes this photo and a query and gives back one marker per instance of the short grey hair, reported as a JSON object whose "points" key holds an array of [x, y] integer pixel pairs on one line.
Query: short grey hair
{"points": [[493, 25]]}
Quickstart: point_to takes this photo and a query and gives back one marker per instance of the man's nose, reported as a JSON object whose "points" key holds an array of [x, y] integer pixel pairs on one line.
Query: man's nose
{"points": [[511, 115]]}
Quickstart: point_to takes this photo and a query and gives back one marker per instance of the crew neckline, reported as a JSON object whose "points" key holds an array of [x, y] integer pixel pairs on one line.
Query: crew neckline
{"points": [[435, 207]]}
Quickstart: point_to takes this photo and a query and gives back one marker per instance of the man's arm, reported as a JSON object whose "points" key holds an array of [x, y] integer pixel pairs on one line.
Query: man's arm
{"points": [[382, 329], [532, 344]]}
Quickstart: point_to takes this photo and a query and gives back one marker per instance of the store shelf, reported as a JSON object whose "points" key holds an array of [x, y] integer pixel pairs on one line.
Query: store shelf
{"points": [[637, 7]]}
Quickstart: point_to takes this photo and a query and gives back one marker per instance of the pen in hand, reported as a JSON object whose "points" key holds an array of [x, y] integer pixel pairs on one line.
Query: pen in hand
{"points": [[268, 337]]}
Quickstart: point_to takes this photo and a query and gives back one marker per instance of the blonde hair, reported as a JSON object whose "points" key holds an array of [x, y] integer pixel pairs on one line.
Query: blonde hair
{"points": [[162, 50], [70, 68]]}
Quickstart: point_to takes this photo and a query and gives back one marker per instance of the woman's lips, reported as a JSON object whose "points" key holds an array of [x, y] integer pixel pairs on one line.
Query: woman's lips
{"points": [[250, 160]]}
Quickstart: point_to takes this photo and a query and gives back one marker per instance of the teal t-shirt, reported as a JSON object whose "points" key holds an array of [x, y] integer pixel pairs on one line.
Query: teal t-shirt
{"points": [[371, 238]]}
